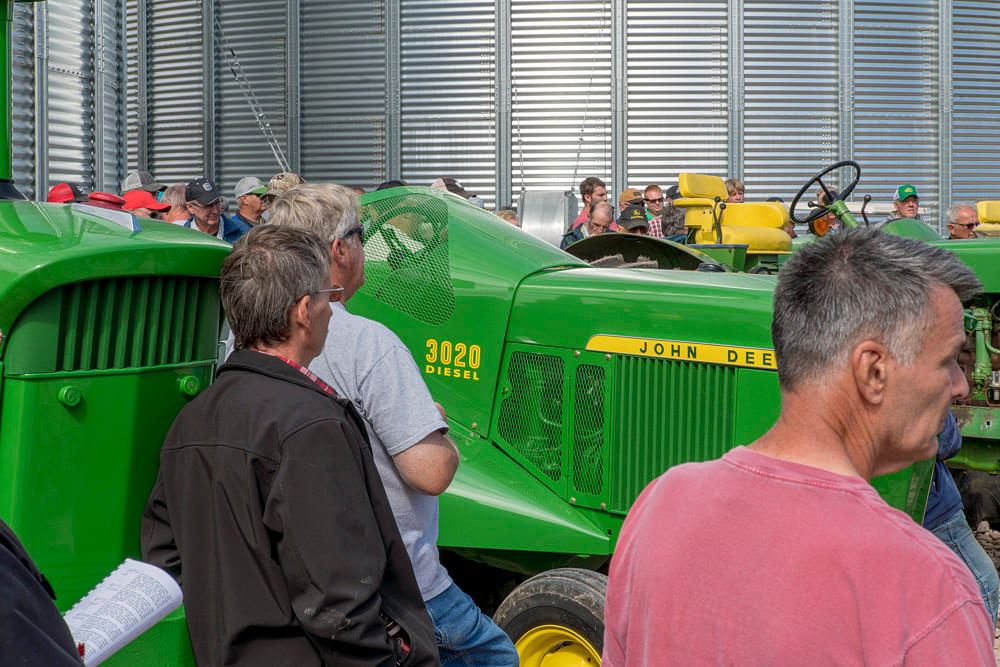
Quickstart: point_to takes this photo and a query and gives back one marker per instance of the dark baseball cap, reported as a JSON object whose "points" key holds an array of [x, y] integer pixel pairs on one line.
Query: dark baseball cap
{"points": [[64, 193], [203, 191], [633, 217]]}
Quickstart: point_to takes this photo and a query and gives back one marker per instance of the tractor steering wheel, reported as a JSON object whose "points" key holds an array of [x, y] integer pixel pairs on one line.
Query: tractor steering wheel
{"points": [[818, 178]]}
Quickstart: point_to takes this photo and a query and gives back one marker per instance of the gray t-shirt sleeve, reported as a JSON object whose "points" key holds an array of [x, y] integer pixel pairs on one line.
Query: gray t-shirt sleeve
{"points": [[396, 401]]}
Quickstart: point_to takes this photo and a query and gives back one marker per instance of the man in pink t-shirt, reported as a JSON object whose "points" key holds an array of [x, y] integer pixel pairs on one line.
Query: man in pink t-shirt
{"points": [[781, 552]]}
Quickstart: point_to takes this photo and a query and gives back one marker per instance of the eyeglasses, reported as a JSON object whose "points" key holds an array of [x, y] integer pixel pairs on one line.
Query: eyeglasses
{"points": [[967, 225], [359, 230], [330, 290], [216, 204], [651, 201]]}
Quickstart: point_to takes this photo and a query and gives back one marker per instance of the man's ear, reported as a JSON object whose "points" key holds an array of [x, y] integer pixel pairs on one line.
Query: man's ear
{"points": [[870, 369], [300, 311], [338, 252]]}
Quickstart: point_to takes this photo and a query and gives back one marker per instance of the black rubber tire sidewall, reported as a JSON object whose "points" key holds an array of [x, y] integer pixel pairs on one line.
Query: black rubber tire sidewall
{"points": [[569, 597]]}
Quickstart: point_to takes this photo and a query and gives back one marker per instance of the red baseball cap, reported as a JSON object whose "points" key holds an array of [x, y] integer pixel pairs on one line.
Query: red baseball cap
{"points": [[106, 200], [63, 193], [143, 199]]}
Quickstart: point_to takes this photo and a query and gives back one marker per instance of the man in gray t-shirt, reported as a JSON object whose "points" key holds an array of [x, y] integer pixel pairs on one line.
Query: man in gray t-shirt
{"points": [[365, 362]]}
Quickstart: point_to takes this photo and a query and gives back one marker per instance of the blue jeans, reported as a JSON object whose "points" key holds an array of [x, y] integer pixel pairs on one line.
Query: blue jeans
{"points": [[465, 635], [955, 532]]}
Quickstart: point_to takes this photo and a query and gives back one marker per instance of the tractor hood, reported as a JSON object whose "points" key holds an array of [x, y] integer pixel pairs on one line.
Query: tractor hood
{"points": [[567, 308], [43, 246]]}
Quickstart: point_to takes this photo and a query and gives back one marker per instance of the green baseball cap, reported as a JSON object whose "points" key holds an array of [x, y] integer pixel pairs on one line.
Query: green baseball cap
{"points": [[904, 191]]}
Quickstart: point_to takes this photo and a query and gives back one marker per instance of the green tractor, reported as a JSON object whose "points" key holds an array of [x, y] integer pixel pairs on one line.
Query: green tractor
{"points": [[569, 387]]}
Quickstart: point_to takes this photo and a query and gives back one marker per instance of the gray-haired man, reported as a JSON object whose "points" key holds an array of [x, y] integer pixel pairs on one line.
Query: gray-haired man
{"points": [[368, 364], [866, 330], [268, 507]]}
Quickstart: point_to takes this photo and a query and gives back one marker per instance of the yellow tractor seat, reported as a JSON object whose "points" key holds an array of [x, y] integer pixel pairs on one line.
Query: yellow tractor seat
{"points": [[989, 218], [758, 225]]}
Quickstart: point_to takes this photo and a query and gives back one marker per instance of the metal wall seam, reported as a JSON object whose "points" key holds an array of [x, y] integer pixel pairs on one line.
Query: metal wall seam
{"points": [[175, 104], [895, 100], [845, 85], [975, 104], [944, 94], [736, 90], [241, 148], [561, 64], [98, 67], [293, 104], [68, 102], [676, 89], [208, 70], [41, 45], [141, 79], [619, 110], [502, 97], [790, 95], [447, 75], [109, 108], [23, 123], [393, 92], [343, 92]]}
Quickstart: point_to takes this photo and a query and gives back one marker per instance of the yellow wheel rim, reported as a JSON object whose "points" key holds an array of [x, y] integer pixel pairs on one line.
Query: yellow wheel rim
{"points": [[556, 646]]}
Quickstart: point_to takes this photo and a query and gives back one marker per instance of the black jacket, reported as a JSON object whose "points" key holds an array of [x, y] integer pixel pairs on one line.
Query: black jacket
{"points": [[32, 631], [270, 512]]}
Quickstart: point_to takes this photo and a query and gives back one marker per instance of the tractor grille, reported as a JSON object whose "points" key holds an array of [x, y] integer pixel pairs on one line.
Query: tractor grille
{"points": [[406, 250], [588, 430], [132, 322], [117, 323], [531, 416], [666, 412]]}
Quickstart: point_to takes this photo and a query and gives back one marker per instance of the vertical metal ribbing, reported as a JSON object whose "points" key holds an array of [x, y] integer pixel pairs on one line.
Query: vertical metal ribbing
{"points": [[945, 101], [502, 101], [98, 68], [142, 84], [845, 96], [393, 133], [736, 89], [41, 99], [619, 114], [293, 100], [208, 56]]}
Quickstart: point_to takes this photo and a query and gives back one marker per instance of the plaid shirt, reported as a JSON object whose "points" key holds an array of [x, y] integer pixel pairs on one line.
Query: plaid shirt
{"points": [[302, 369], [655, 228]]}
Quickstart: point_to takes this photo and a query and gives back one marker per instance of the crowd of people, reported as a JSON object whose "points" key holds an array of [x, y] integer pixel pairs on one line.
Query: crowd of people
{"points": [[296, 500]]}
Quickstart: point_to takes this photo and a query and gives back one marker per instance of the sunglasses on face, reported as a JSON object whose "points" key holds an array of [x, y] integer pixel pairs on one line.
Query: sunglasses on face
{"points": [[653, 201]]}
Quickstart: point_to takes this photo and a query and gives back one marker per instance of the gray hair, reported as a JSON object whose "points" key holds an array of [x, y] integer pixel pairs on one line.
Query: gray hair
{"points": [[854, 285], [955, 209], [174, 195], [268, 271], [327, 210], [590, 211]]}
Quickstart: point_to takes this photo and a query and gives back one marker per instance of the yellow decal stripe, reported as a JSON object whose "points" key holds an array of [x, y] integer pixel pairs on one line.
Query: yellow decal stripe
{"points": [[707, 353]]}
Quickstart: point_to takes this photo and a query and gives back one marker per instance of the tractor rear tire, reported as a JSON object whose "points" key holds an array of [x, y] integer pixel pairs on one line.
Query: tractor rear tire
{"points": [[556, 618]]}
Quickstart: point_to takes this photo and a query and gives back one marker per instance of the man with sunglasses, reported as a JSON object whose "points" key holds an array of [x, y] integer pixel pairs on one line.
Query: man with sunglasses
{"points": [[204, 203], [368, 364], [962, 221], [249, 192]]}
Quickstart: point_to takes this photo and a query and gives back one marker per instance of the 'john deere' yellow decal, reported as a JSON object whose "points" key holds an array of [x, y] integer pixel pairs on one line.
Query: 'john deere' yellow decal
{"points": [[708, 353]]}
